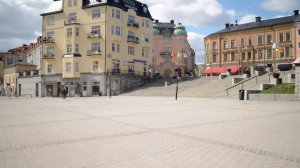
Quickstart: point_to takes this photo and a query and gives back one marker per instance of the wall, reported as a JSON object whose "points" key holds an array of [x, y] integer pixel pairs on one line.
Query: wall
{"points": [[28, 86]]}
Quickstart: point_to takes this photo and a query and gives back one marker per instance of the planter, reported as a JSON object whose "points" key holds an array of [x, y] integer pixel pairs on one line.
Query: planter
{"points": [[276, 75]]}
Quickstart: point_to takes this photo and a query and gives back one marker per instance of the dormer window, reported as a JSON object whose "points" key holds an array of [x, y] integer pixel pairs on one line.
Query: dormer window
{"points": [[145, 9]]}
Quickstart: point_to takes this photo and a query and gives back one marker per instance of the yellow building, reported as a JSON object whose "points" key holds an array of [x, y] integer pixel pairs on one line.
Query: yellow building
{"points": [[85, 40]]}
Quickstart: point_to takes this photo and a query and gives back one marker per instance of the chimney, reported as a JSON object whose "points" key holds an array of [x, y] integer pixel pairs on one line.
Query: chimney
{"points": [[258, 19], [227, 25], [296, 12], [172, 21], [156, 21]]}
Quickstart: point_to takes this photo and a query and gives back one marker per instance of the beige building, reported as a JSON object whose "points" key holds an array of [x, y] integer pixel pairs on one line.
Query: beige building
{"points": [[11, 74], [85, 41], [245, 46]]}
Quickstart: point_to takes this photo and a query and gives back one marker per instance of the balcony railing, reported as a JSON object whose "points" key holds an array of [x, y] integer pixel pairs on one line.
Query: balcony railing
{"points": [[133, 25], [133, 39], [165, 53], [48, 56], [94, 35], [93, 52], [70, 22], [48, 39]]}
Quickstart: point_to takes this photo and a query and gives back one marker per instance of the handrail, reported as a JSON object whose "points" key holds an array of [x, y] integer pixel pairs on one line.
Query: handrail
{"points": [[241, 82]]}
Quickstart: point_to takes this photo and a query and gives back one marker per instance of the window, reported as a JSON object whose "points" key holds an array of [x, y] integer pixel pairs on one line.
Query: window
{"points": [[131, 34], [130, 50], [76, 67], [250, 42], [50, 34], [215, 47], [95, 66], [77, 31], [299, 45], [233, 44], [95, 47], [116, 30], [145, 52], [49, 69], [77, 48], [242, 42], [50, 51], [50, 20], [145, 23], [118, 48], [145, 38], [269, 53], [96, 13], [69, 32], [95, 30], [69, 48], [260, 40], [214, 58], [225, 45], [249, 56], [72, 3], [298, 31], [269, 39], [225, 57], [72, 17], [287, 51], [281, 37], [232, 56], [259, 54], [68, 67], [116, 14], [288, 37], [113, 47], [131, 19], [243, 56], [167, 40]]}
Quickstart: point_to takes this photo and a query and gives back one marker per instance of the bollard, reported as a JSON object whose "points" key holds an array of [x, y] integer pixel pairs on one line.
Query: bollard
{"points": [[166, 83]]}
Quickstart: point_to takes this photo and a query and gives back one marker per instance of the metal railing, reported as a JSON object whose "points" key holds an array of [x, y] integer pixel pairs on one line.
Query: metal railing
{"points": [[241, 83]]}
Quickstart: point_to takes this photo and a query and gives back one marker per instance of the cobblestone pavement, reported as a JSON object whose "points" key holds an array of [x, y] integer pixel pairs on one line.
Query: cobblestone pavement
{"points": [[148, 132]]}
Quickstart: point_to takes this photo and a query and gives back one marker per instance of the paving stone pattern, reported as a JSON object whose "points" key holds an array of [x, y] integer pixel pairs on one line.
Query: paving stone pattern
{"points": [[148, 132]]}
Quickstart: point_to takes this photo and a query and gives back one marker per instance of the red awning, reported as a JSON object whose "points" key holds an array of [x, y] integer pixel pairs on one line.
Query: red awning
{"points": [[219, 70]]}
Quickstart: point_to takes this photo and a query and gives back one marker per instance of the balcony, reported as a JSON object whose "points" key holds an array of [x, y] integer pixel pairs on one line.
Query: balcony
{"points": [[48, 56], [71, 22], [165, 53], [136, 25], [48, 40], [94, 35], [286, 43], [133, 39], [247, 47], [93, 52]]}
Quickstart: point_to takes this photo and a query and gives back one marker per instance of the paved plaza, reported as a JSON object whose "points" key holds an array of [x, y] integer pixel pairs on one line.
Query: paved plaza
{"points": [[148, 132]]}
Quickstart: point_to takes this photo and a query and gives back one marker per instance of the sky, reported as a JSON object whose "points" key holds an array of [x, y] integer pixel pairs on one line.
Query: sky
{"points": [[20, 20]]}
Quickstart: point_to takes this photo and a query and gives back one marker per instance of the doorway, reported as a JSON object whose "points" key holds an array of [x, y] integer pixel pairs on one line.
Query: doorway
{"points": [[49, 89]]}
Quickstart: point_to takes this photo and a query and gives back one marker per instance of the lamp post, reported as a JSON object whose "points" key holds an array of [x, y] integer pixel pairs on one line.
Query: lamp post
{"points": [[177, 74]]}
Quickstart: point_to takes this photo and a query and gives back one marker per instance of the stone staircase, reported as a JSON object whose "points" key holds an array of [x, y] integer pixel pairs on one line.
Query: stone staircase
{"points": [[204, 87]]}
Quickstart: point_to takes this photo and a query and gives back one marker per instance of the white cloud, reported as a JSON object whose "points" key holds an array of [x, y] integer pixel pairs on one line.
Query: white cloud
{"points": [[20, 21], [280, 6], [196, 41], [247, 19], [192, 12]]}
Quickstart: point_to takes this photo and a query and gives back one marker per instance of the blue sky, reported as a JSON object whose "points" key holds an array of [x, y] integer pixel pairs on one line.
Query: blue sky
{"points": [[21, 21]]}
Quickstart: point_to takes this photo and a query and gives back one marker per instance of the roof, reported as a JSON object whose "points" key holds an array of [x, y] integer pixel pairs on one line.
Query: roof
{"points": [[259, 24], [56, 6], [19, 50]]}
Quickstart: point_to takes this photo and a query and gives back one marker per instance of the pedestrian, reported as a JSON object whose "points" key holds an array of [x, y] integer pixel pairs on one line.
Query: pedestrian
{"points": [[64, 93]]}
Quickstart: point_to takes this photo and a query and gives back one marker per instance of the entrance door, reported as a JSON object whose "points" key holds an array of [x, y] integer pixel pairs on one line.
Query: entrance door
{"points": [[49, 90]]}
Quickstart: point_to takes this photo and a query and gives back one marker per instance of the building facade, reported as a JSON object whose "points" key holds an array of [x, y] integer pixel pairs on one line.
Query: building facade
{"points": [[243, 47], [85, 41], [172, 51]]}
